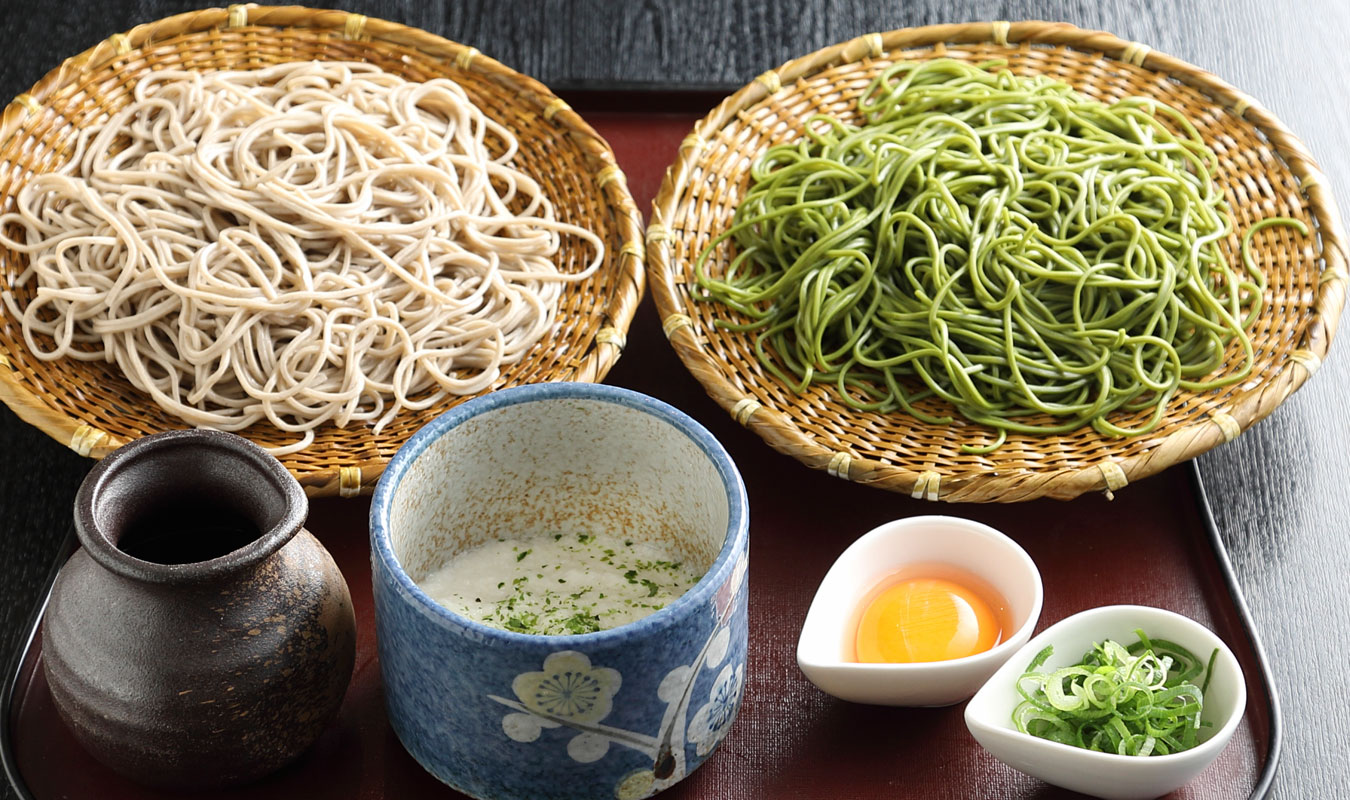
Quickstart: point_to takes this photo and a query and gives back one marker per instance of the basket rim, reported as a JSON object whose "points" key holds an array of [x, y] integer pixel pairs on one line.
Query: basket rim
{"points": [[777, 428], [359, 477]]}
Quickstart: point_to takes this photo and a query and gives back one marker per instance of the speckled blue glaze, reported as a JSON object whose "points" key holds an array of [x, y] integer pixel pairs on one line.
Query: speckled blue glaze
{"points": [[503, 715]]}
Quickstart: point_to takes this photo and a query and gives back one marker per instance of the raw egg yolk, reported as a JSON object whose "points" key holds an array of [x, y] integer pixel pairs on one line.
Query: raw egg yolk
{"points": [[926, 619]]}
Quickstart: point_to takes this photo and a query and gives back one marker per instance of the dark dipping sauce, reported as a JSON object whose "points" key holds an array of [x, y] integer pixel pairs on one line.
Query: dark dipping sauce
{"points": [[187, 531]]}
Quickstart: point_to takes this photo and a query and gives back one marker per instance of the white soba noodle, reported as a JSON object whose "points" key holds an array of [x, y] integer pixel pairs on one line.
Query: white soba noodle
{"points": [[306, 243]]}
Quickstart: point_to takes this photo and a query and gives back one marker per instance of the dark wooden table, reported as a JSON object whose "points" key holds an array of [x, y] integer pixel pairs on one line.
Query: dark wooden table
{"points": [[1279, 491]]}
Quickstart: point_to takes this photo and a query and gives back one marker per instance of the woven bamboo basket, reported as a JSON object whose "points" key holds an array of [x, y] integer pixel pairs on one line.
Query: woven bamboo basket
{"points": [[1264, 171], [92, 408]]}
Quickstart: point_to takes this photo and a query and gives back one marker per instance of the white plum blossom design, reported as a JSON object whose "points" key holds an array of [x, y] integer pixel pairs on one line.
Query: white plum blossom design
{"points": [[587, 747], [568, 688], [525, 727], [711, 722], [672, 686], [636, 785], [569, 691], [717, 648]]}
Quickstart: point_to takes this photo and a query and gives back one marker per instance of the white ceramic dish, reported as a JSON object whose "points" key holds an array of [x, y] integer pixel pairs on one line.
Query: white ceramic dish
{"points": [[825, 648], [1115, 777]]}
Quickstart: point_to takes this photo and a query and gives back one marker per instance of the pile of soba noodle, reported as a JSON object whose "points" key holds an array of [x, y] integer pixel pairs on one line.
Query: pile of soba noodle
{"points": [[306, 243]]}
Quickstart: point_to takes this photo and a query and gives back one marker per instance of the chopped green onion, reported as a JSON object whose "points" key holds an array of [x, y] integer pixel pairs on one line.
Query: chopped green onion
{"points": [[1137, 701]]}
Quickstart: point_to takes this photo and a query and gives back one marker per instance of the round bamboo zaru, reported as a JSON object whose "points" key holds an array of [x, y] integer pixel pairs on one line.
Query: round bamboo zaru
{"points": [[92, 408], [1264, 171]]}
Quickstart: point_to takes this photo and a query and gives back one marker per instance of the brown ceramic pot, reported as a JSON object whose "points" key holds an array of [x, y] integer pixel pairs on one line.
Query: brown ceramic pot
{"points": [[200, 637]]}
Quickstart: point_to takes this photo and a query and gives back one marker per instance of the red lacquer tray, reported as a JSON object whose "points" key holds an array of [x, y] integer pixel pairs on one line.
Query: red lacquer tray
{"points": [[1152, 545]]}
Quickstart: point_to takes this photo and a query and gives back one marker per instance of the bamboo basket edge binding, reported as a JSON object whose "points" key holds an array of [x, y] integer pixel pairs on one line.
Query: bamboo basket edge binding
{"points": [[667, 274], [624, 260]]}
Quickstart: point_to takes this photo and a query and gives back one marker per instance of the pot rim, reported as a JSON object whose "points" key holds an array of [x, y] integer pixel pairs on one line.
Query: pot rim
{"points": [[104, 550]]}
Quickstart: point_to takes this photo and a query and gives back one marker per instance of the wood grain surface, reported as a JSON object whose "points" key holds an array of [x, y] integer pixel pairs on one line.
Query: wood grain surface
{"points": [[1279, 491]]}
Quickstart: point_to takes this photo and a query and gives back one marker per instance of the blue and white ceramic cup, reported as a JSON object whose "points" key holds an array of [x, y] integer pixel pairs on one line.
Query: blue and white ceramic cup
{"points": [[618, 713]]}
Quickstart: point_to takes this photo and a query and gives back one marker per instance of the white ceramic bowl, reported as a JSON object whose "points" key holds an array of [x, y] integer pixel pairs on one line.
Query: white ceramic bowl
{"points": [[825, 649], [1115, 777]]}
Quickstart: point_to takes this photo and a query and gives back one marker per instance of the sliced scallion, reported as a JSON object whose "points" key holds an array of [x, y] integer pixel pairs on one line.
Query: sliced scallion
{"points": [[1144, 699]]}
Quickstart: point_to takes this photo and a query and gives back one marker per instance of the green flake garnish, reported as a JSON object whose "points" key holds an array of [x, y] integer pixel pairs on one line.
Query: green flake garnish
{"points": [[528, 601], [582, 622], [522, 623]]}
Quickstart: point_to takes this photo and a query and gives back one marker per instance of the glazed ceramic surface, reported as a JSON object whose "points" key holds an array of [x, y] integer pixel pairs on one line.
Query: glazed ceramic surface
{"points": [[825, 648], [1116, 777], [619, 713], [196, 674]]}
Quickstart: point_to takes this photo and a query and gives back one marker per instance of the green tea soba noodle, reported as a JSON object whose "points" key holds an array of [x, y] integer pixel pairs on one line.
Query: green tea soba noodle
{"points": [[1002, 243]]}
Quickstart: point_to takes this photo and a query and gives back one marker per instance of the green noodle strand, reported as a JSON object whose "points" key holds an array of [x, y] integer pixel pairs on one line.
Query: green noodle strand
{"points": [[1003, 244]]}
